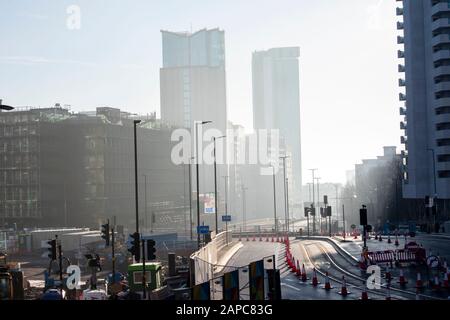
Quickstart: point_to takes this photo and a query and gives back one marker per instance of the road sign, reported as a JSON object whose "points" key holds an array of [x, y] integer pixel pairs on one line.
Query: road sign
{"points": [[203, 229], [226, 218]]}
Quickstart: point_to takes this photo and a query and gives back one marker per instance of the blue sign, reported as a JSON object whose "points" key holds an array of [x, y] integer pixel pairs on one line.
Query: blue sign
{"points": [[203, 229], [226, 218]]}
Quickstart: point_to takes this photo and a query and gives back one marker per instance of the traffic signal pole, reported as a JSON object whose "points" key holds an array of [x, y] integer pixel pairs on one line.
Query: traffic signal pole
{"points": [[144, 282], [113, 257]]}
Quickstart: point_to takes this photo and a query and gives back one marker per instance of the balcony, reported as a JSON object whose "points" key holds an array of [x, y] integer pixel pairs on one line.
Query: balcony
{"points": [[399, 11], [401, 83], [442, 71], [439, 103], [402, 111], [441, 87], [403, 140], [442, 134], [443, 166], [402, 126], [440, 24], [400, 54], [400, 40], [401, 68], [439, 8], [440, 39], [441, 55], [400, 25], [402, 97], [443, 150], [442, 118]]}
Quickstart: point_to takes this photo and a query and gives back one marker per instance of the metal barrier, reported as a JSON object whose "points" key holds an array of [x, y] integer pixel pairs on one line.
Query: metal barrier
{"points": [[406, 256], [381, 256]]}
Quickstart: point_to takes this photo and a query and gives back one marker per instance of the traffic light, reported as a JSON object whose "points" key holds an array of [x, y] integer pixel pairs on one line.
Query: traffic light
{"points": [[307, 211], [328, 213], [325, 200], [322, 212], [134, 245], [52, 249], [363, 216], [105, 233], [151, 249]]}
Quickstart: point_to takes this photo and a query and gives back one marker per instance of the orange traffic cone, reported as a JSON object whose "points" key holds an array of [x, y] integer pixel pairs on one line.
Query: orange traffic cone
{"points": [[315, 281], [380, 238], [445, 283], [376, 236], [364, 295], [388, 274], [389, 239], [299, 271], [402, 280], [327, 285], [344, 292], [293, 269], [419, 283], [248, 238], [436, 284], [396, 241], [304, 278]]}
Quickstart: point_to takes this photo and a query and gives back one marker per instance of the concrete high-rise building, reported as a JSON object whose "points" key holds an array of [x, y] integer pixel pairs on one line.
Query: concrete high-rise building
{"points": [[426, 99], [193, 79], [276, 105], [193, 89]]}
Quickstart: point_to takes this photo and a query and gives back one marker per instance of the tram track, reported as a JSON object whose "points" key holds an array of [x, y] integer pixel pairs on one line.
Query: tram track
{"points": [[336, 272]]}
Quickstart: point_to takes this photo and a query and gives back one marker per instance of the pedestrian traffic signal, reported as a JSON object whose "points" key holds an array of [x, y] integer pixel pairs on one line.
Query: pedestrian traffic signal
{"points": [[105, 233], [151, 249], [134, 246], [307, 211], [52, 249]]}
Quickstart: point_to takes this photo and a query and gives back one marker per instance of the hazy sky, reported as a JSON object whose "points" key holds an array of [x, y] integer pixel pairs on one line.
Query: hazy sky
{"points": [[348, 77]]}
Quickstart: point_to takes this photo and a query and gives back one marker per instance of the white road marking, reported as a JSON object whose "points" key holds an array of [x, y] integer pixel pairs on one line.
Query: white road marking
{"points": [[289, 286]]}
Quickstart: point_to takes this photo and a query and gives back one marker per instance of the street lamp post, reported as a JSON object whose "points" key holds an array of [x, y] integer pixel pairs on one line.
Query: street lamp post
{"points": [[435, 186], [286, 208], [244, 219], [215, 183], [318, 204], [226, 207], [190, 196], [313, 199], [145, 201], [136, 122], [198, 180], [274, 202]]}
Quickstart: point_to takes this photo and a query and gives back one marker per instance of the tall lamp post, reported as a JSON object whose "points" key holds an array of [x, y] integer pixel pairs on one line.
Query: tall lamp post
{"points": [[435, 186], [136, 188], [274, 202], [313, 171], [244, 218], [215, 183], [197, 176], [286, 204], [226, 207], [318, 203]]}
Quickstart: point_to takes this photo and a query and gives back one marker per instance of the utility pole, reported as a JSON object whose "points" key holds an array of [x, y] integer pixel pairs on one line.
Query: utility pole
{"points": [[287, 201], [113, 254]]}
